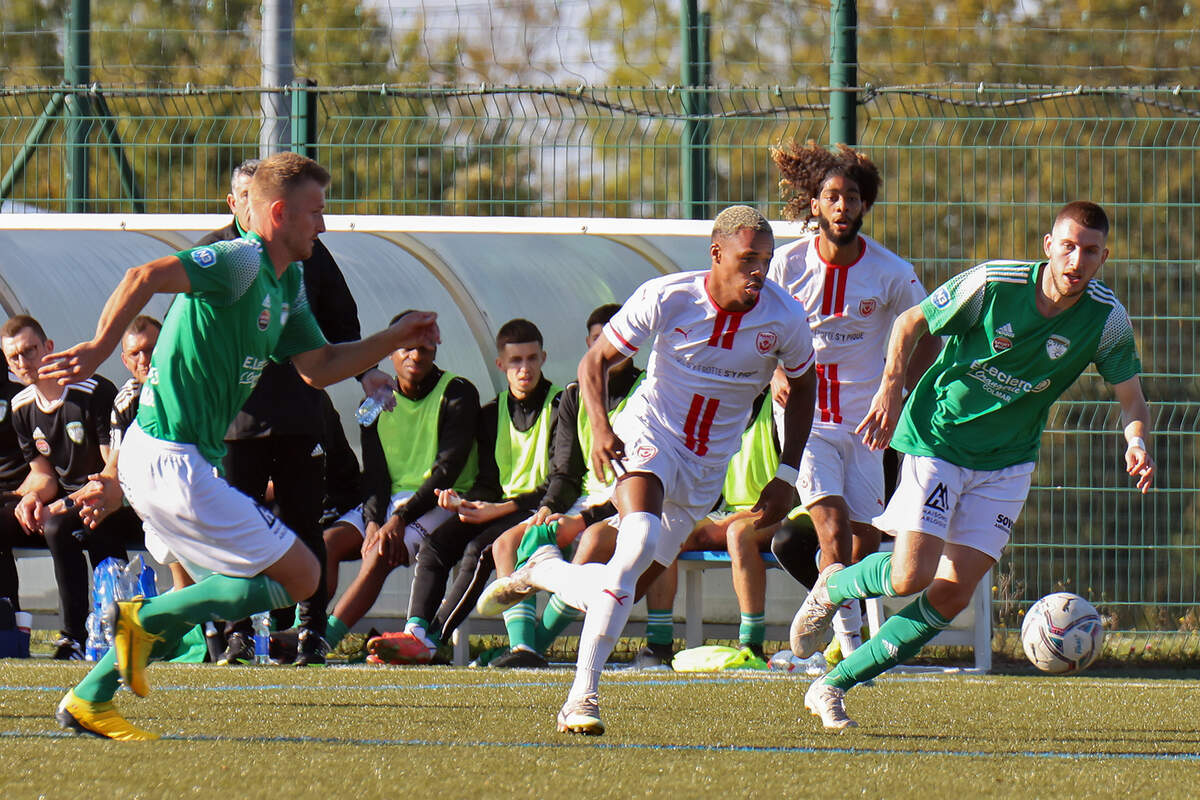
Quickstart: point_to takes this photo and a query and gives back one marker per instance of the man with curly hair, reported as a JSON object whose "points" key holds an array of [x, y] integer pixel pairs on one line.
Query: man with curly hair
{"points": [[852, 288]]}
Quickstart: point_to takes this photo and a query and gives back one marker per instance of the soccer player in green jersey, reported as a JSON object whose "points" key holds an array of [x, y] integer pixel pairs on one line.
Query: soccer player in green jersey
{"points": [[239, 304], [1018, 334]]}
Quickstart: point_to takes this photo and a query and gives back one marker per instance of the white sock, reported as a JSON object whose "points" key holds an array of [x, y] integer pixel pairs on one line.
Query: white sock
{"points": [[847, 625], [575, 584], [609, 606]]}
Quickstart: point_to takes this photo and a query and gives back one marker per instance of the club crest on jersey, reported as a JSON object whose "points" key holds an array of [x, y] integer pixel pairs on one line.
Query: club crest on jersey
{"points": [[39, 441], [867, 307], [765, 341], [1001, 343], [204, 257], [645, 452], [75, 432], [264, 316], [1056, 346]]}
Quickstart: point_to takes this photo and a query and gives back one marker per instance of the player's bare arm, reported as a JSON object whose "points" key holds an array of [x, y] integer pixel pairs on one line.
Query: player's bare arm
{"points": [[593, 388], [43, 485], [924, 354], [775, 500], [780, 387], [164, 275], [1135, 414], [334, 362], [879, 424]]}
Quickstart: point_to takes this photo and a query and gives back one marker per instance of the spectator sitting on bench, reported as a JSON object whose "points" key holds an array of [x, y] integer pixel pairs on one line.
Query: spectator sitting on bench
{"points": [[570, 476], [64, 436], [13, 474], [427, 442]]}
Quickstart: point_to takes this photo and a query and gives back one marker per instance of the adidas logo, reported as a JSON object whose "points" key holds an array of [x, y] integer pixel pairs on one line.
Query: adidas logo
{"points": [[892, 650], [1005, 329]]}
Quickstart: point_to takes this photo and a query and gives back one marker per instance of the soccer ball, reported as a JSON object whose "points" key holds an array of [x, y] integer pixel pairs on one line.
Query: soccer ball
{"points": [[1062, 633]]}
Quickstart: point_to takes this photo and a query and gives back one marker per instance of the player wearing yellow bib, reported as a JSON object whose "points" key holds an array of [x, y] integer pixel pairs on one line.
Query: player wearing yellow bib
{"points": [[1018, 335], [239, 304], [574, 490], [425, 443], [516, 431]]}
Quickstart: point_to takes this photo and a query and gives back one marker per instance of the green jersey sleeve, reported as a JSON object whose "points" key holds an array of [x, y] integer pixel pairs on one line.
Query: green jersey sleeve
{"points": [[220, 273], [301, 332], [957, 305], [1116, 355]]}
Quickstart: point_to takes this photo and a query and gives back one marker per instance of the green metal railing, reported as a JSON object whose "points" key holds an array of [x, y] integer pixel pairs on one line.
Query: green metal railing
{"points": [[971, 173]]}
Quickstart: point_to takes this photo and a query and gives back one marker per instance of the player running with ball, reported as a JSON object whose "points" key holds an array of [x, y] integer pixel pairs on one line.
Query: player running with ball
{"points": [[717, 336], [1018, 335]]}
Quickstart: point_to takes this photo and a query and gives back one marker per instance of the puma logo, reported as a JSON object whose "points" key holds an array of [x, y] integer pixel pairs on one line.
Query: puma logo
{"points": [[683, 333], [620, 598]]}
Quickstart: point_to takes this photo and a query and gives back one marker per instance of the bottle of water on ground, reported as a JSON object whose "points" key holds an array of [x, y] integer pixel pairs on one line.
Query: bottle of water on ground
{"points": [[262, 637]]}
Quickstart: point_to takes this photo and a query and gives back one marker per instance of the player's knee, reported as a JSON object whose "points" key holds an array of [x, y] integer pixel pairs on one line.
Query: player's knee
{"points": [[949, 597], [909, 580], [59, 530]]}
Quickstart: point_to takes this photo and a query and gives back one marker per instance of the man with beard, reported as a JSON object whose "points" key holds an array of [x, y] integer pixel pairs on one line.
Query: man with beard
{"points": [[852, 288]]}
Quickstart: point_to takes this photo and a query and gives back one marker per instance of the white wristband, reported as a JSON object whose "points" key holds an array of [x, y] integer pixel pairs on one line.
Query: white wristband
{"points": [[1137, 442], [787, 474]]}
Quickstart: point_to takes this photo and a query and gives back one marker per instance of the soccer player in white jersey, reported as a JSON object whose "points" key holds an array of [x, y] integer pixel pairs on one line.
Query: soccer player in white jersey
{"points": [[239, 304], [852, 288], [717, 337], [1018, 335]]}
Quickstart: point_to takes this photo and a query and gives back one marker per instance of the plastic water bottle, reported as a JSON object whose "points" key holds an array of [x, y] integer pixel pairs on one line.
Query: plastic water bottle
{"points": [[372, 407], [93, 649], [785, 661], [104, 592], [262, 637]]}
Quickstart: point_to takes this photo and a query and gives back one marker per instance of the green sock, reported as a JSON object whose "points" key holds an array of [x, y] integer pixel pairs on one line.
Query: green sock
{"points": [[521, 623], [215, 597], [335, 631], [871, 577], [101, 683], [660, 626], [753, 629], [172, 615], [555, 619], [898, 640], [423, 624]]}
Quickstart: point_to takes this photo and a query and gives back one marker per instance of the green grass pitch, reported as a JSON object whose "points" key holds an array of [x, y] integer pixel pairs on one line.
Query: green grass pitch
{"points": [[361, 731]]}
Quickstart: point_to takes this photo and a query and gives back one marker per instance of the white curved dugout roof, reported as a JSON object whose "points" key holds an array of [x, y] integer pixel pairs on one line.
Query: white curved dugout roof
{"points": [[477, 273]]}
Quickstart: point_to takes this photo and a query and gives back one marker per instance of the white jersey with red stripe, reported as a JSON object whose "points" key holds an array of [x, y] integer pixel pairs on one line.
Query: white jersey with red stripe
{"points": [[708, 365], [850, 311]]}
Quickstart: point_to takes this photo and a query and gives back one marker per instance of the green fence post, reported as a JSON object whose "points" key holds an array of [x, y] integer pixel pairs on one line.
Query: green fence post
{"points": [[304, 118], [693, 31], [843, 72], [76, 60]]}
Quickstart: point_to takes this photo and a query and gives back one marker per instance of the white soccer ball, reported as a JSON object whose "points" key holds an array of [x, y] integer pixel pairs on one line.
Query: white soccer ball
{"points": [[1062, 632]]}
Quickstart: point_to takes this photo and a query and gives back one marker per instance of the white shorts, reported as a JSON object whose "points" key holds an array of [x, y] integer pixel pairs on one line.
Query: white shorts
{"points": [[837, 464], [414, 533], [975, 508], [194, 514], [691, 485]]}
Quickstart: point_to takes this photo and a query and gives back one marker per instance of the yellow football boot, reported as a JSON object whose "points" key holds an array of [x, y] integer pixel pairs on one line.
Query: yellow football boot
{"points": [[98, 719], [133, 644]]}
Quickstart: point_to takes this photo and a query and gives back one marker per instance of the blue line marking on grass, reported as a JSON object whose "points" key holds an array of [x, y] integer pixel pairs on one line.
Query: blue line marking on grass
{"points": [[686, 748], [424, 687]]}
